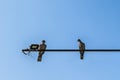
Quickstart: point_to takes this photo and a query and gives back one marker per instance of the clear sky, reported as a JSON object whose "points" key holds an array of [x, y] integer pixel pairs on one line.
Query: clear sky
{"points": [[60, 23]]}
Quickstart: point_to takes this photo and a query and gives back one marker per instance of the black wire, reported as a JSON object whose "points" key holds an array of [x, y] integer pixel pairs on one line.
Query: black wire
{"points": [[75, 50]]}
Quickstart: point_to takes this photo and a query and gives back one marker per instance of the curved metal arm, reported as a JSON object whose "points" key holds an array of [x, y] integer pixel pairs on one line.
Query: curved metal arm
{"points": [[26, 51]]}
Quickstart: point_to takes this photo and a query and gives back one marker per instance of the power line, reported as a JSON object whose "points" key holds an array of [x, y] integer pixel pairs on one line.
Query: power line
{"points": [[73, 50], [27, 51]]}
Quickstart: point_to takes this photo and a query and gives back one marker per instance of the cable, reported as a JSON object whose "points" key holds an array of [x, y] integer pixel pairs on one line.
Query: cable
{"points": [[74, 50]]}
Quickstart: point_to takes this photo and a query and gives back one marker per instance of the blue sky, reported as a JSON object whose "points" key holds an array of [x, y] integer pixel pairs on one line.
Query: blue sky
{"points": [[60, 23]]}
